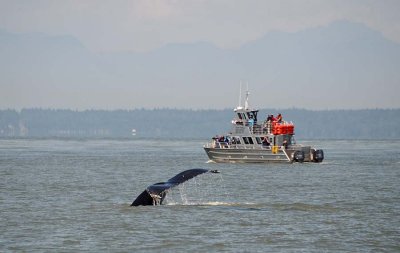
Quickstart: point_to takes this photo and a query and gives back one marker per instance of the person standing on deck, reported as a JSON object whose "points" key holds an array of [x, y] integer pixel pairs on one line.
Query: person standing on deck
{"points": [[279, 118]]}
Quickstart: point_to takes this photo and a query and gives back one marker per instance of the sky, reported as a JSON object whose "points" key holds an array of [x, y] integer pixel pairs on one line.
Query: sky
{"points": [[145, 25]]}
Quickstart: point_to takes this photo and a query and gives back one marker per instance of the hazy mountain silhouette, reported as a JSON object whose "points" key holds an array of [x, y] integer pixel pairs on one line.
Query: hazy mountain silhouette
{"points": [[314, 68]]}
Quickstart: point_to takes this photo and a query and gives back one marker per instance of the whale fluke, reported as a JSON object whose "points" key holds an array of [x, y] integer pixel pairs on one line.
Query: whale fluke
{"points": [[155, 194]]}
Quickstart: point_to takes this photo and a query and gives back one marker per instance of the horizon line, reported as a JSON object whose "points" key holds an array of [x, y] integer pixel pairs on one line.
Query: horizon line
{"points": [[187, 109]]}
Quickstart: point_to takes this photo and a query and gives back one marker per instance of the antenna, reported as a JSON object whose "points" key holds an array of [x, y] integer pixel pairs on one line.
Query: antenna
{"points": [[240, 94], [246, 103]]}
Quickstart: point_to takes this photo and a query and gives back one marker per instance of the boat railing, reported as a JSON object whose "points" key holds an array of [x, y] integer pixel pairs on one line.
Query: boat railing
{"points": [[226, 145], [257, 129]]}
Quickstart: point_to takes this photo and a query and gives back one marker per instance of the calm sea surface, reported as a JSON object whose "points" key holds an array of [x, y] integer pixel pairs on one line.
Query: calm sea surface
{"points": [[74, 195]]}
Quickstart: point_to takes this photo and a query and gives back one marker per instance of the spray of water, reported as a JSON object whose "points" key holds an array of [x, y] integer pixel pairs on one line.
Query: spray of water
{"points": [[207, 189]]}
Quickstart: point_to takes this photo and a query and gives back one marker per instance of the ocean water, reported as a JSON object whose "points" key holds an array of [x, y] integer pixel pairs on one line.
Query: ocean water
{"points": [[73, 195]]}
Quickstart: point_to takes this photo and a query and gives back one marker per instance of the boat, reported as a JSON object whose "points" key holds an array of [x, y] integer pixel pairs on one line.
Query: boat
{"points": [[253, 141]]}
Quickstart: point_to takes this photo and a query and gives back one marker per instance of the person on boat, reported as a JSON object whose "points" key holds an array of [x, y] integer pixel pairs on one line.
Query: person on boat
{"points": [[265, 141], [267, 127], [227, 139], [279, 118], [285, 144], [251, 121]]}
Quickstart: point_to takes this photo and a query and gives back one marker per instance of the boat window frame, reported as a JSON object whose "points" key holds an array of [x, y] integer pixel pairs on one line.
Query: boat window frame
{"points": [[237, 140], [248, 140], [251, 140]]}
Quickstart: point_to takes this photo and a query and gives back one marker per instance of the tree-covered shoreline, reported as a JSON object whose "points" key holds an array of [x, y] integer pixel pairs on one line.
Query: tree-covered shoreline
{"points": [[185, 123]]}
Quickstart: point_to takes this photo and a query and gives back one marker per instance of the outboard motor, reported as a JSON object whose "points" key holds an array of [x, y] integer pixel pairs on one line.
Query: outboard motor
{"points": [[298, 156], [318, 155]]}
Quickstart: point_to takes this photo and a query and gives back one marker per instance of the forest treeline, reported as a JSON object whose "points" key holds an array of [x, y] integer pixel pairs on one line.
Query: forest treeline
{"points": [[174, 123]]}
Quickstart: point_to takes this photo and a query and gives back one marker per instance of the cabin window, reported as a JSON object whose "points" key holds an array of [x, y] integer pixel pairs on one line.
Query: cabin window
{"points": [[248, 140], [235, 140], [244, 116], [251, 140], [258, 139], [239, 115]]}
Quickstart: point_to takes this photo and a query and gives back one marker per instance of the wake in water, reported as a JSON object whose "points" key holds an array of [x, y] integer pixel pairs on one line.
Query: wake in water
{"points": [[304, 207], [215, 203]]}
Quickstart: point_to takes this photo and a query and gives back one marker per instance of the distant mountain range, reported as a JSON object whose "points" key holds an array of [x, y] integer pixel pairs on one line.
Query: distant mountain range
{"points": [[342, 65]]}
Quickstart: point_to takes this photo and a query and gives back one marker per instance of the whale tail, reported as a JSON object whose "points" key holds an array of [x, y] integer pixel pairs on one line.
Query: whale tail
{"points": [[144, 199], [155, 194]]}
